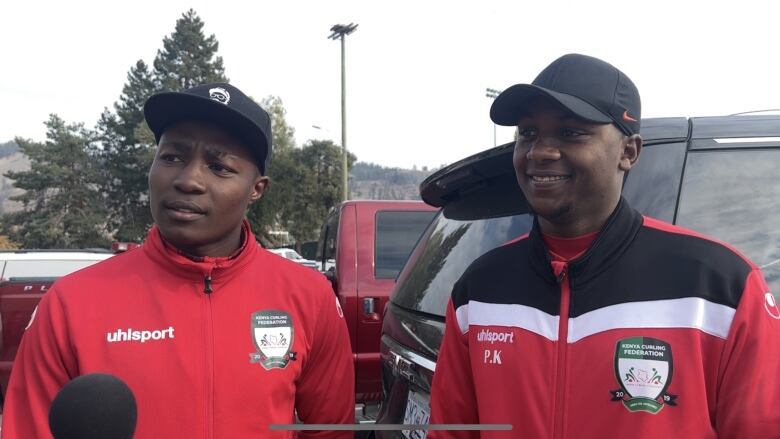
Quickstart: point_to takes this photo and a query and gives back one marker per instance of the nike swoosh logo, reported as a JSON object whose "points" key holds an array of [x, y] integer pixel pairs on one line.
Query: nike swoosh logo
{"points": [[627, 117]]}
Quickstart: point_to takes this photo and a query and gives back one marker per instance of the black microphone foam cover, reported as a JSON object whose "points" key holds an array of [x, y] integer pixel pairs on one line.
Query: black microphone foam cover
{"points": [[93, 406]]}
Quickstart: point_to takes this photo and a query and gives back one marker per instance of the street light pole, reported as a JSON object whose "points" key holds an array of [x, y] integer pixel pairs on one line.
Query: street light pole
{"points": [[492, 93], [339, 31]]}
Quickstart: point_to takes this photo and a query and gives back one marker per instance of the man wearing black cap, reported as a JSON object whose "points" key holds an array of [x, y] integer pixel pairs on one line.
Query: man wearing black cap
{"points": [[216, 337], [601, 322]]}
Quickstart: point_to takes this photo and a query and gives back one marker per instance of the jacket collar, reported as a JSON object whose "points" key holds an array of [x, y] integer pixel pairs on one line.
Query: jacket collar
{"points": [[615, 237], [197, 268]]}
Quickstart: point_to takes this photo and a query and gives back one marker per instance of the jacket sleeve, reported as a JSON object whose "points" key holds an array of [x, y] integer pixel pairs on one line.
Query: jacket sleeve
{"points": [[748, 400], [44, 363], [453, 399], [326, 388]]}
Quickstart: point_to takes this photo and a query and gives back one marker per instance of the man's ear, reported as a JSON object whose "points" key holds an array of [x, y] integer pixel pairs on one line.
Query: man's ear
{"points": [[259, 187], [632, 146]]}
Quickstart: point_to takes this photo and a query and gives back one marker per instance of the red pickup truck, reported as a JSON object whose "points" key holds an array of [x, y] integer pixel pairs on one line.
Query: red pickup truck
{"points": [[25, 275], [363, 246]]}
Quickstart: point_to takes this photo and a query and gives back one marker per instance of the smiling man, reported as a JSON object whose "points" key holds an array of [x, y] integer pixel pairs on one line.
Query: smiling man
{"points": [[216, 337], [615, 324]]}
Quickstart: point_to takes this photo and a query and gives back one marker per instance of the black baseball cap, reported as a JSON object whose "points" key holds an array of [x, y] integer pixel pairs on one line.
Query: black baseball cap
{"points": [[588, 87], [219, 103]]}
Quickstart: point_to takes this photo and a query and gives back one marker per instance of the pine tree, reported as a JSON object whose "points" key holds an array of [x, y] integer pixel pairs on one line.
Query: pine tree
{"points": [[62, 205], [124, 178], [188, 58], [130, 108], [126, 158]]}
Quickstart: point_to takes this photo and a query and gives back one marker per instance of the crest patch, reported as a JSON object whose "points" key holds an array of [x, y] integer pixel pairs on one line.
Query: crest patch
{"points": [[272, 335], [643, 368], [220, 95]]}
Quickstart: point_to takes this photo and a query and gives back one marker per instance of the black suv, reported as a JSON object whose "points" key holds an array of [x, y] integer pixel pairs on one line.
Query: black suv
{"points": [[717, 175]]}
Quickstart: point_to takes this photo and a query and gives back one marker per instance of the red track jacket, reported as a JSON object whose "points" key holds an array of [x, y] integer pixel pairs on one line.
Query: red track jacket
{"points": [[214, 349], [654, 332]]}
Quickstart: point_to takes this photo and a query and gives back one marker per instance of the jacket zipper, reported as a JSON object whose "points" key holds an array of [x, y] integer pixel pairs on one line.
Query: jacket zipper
{"points": [[209, 359], [561, 273], [207, 284]]}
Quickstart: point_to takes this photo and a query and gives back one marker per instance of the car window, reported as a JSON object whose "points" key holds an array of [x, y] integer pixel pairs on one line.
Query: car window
{"points": [[43, 268], [734, 196], [651, 186], [444, 253], [396, 234], [326, 247]]}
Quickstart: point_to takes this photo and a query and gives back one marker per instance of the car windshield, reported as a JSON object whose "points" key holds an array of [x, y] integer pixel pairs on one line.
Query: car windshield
{"points": [[446, 249]]}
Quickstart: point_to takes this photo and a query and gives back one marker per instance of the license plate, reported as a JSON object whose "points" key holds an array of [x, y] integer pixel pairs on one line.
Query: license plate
{"points": [[417, 412]]}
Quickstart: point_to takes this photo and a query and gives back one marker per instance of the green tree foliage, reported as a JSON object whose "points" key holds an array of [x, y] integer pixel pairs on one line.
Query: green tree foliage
{"points": [[305, 183], [103, 190], [130, 107], [315, 187], [188, 58], [124, 178], [126, 158], [265, 215], [62, 205], [283, 134]]}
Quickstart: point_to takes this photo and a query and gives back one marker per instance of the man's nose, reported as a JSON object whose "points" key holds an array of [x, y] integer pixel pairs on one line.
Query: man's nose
{"points": [[190, 178], [544, 148]]}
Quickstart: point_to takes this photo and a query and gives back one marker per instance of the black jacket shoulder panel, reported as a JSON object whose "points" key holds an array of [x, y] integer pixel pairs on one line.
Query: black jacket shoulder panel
{"points": [[630, 261], [664, 265], [504, 276]]}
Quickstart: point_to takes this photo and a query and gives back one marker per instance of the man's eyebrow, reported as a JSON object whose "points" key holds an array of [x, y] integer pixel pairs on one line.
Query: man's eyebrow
{"points": [[211, 151], [179, 146], [216, 152]]}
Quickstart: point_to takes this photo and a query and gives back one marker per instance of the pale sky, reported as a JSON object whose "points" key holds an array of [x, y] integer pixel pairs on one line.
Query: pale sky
{"points": [[416, 70]]}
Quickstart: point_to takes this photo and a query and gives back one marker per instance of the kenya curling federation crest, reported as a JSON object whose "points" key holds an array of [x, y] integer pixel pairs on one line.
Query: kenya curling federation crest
{"points": [[272, 334], [643, 367]]}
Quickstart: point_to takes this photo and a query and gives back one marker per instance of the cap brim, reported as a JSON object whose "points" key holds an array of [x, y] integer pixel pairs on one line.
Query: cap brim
{"points": [[165, 109], [512, 103]]}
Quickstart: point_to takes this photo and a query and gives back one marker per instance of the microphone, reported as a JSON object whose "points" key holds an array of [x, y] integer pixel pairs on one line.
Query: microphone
{"points": [[93, 406]]}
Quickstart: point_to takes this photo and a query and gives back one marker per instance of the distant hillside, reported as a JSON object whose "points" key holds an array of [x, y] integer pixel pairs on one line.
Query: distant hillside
{"points": [[369, 181], [8, 148], [11, 159]]}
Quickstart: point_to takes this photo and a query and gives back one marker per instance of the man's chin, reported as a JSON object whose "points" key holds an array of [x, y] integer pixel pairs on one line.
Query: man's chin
{"points": [[552, 212], [181, 236]]}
